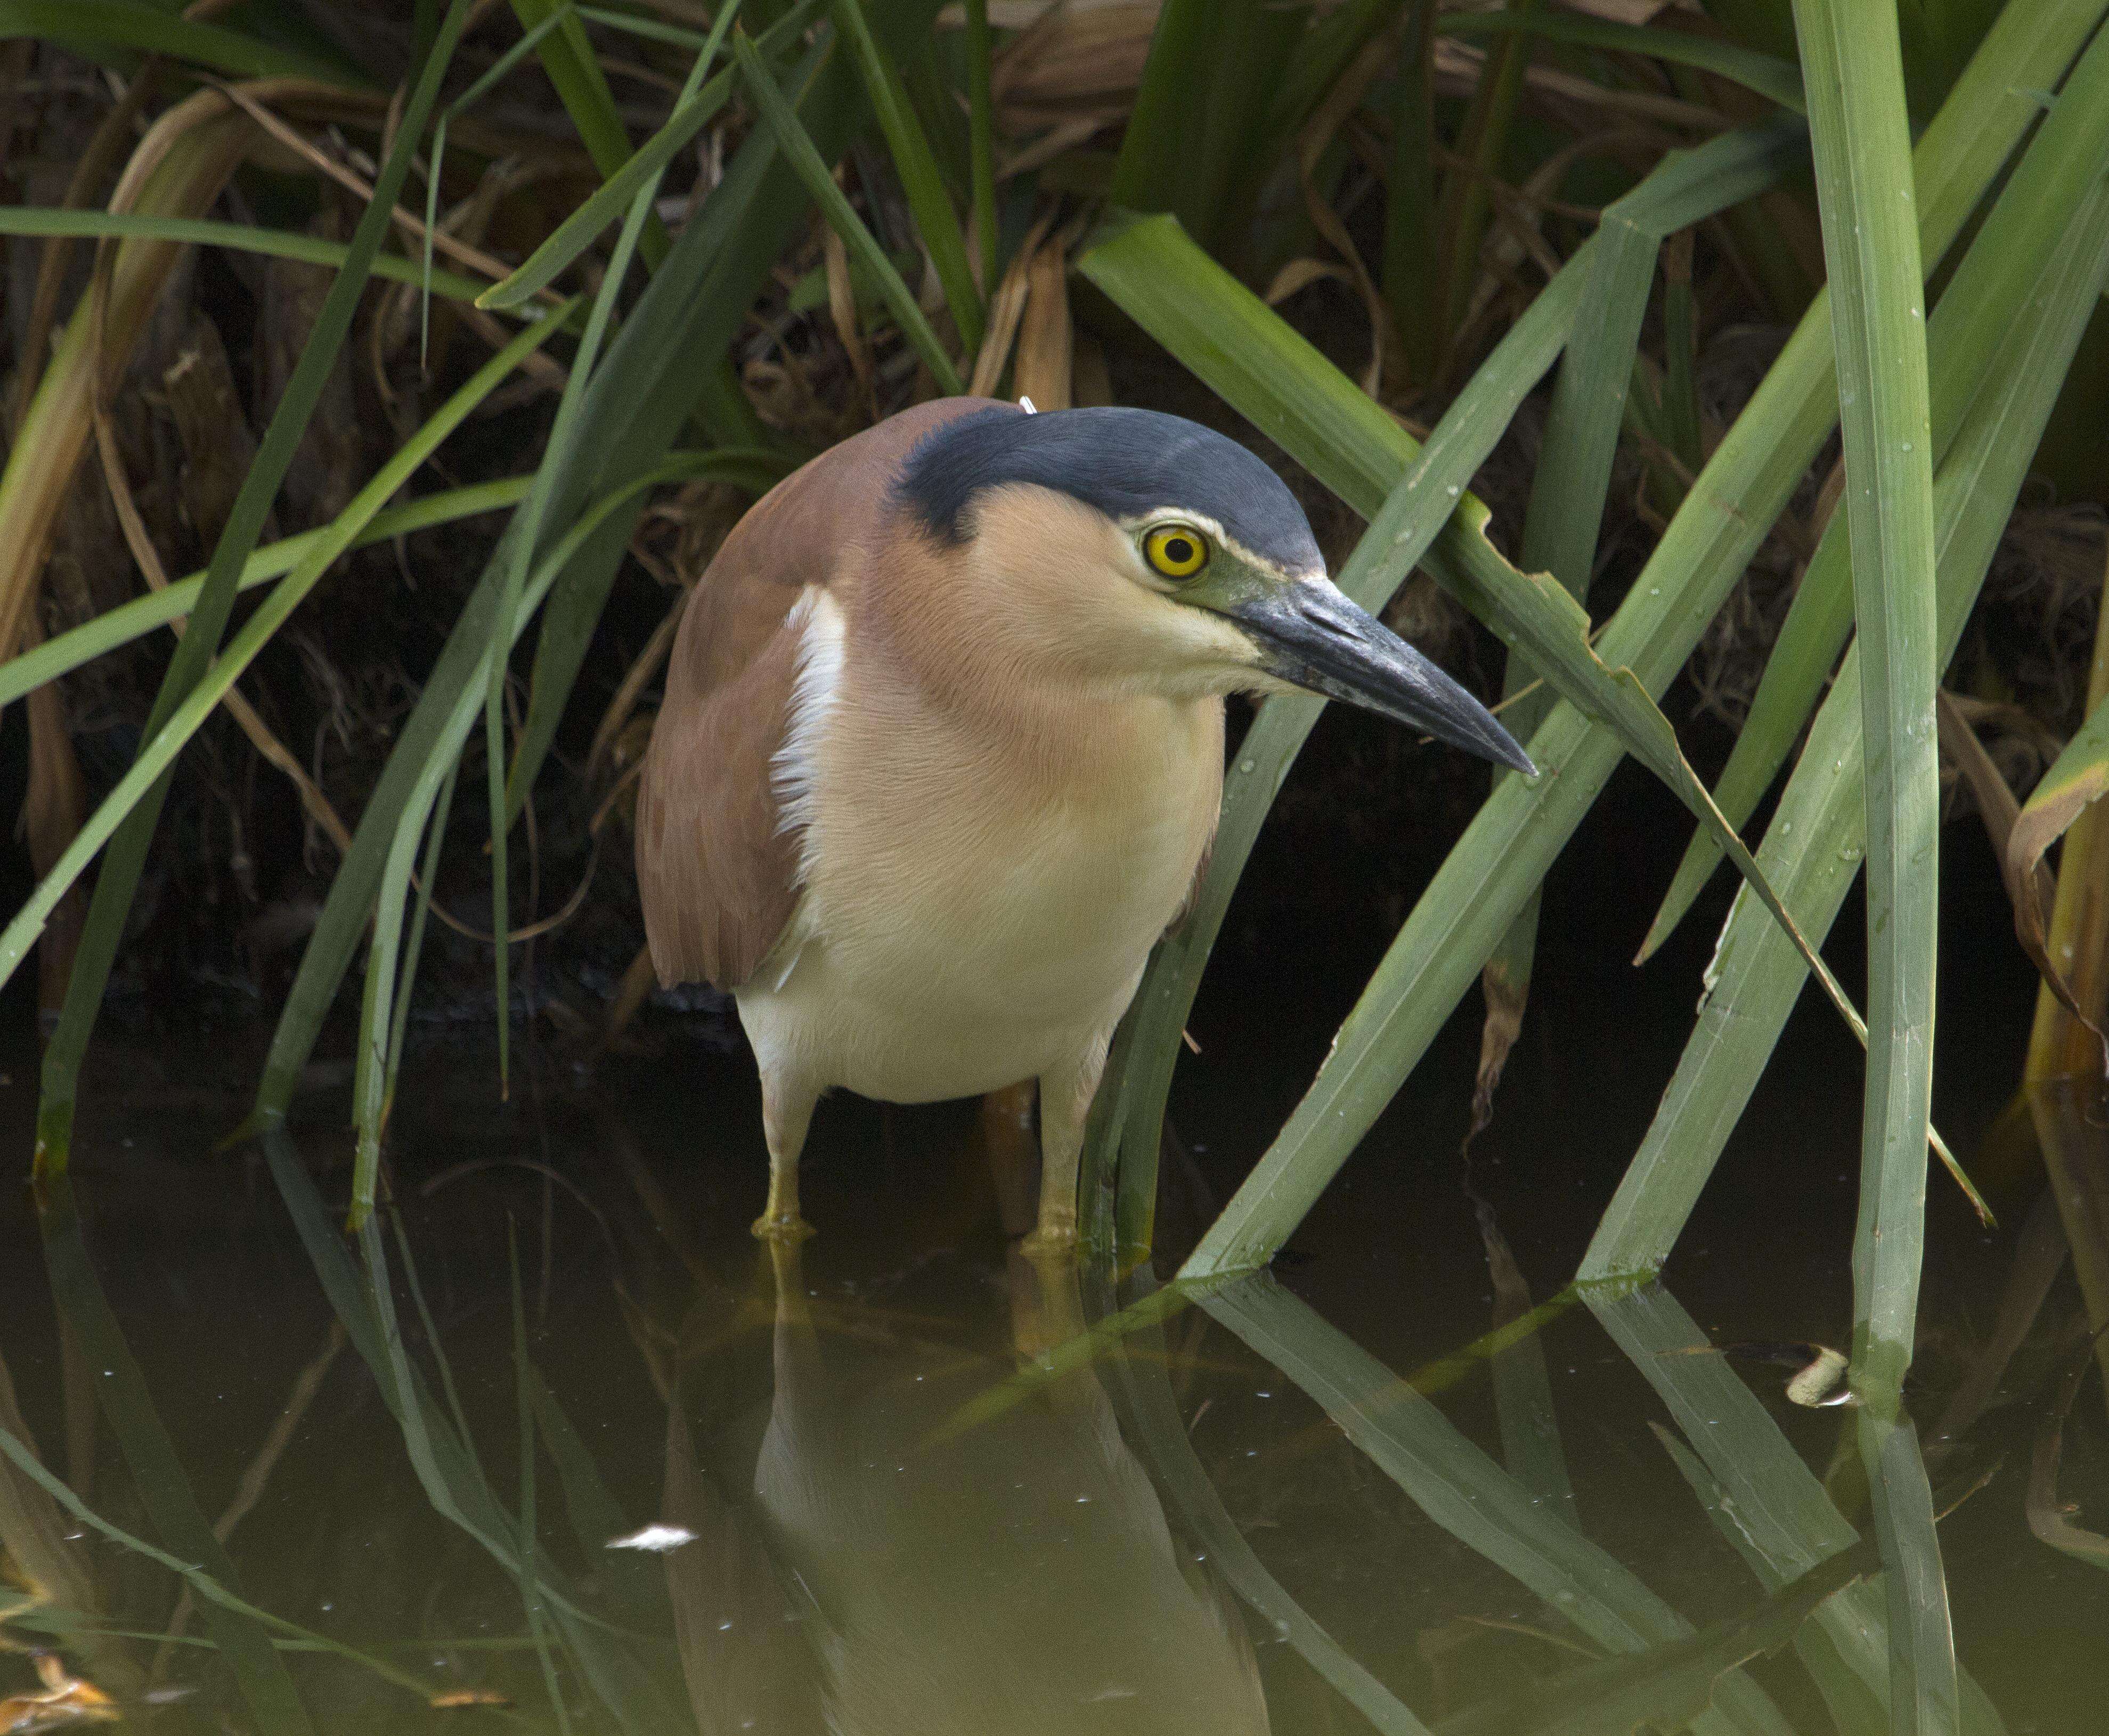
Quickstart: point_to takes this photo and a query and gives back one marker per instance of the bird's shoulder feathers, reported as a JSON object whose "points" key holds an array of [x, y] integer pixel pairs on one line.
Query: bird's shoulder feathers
{"points": [[716, 869]]}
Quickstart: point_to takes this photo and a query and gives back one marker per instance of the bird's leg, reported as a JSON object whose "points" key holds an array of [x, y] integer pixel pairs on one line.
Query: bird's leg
{"points": [[1014, 1156], [786, 1110], [1065, 1101]]}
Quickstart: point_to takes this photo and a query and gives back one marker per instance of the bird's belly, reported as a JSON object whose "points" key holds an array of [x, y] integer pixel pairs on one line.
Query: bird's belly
{"points": [[921, 974]]}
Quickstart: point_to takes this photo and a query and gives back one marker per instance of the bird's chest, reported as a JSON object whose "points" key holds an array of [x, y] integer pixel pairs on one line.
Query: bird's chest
{"points": [[1016, 880]]}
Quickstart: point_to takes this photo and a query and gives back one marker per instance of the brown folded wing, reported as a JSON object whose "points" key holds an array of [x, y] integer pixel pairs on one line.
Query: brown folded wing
{"points": [[716, 873]]}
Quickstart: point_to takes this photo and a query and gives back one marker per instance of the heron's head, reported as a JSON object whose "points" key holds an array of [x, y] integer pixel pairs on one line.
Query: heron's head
{"points": [[1128, 546]]}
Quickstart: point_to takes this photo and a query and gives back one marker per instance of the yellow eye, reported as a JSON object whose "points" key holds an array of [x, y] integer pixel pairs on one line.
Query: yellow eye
{"points": [[1177, 551]]}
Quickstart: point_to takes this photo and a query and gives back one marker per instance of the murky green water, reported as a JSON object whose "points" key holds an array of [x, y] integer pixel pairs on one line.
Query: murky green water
{"points": [[891, 1511]]}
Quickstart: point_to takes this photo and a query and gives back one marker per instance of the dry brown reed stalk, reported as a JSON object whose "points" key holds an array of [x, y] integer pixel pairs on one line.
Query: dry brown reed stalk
{"points": [[843, 312], [179, 169], [104, 150], [2062, 1077], [1046, 335], [148, 560], [1072, 63], [1319, 132], [1459, 68], [1006, 310], [1998, 807]]}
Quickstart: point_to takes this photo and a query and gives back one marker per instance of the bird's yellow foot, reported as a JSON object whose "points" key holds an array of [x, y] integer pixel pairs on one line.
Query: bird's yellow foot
{"points": [[781, 1226], [1055, 1239]]}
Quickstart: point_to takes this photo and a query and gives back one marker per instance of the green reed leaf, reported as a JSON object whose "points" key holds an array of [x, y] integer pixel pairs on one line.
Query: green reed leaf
{"points": [[98, 27], [186, 717], [610, 201], [2002, 338], [309, 250], [917, 165], [1513, 840], [799, 150], [187, 672], [1766, 73]]}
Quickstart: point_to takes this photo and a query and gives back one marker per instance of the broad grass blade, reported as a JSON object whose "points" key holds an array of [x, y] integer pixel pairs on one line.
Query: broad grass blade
{"points": [[559, 460], [1667, 1687], [668, 362], [1201, 112], [1862, 141], [1138, 1078], [1414, 513], [1853, 1706], [2003, 336], [1530, 610], [1573, 483], [1924, 1694], [1513, 839], [380, 1025]]}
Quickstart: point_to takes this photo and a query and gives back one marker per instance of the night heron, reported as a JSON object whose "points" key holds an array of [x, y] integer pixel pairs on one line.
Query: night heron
{"points": [[942, 748]]}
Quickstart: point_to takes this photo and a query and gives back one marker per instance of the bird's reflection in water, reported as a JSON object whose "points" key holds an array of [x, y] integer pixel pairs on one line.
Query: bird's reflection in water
{"points": [[859, 1569]]}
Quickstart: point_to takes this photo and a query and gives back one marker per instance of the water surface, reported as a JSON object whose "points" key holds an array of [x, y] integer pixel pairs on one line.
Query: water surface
{"points": [[1310, 1502]]}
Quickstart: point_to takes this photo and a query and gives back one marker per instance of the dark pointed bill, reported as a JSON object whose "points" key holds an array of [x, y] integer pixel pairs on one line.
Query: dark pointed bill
{"points": [[1315, 637]]}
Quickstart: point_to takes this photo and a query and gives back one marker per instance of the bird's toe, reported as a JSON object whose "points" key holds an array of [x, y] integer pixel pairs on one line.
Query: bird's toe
{"points": [[781, 1227]]}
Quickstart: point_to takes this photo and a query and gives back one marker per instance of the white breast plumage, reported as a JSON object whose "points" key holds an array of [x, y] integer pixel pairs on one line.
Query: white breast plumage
{"points": [[955, 934]]}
